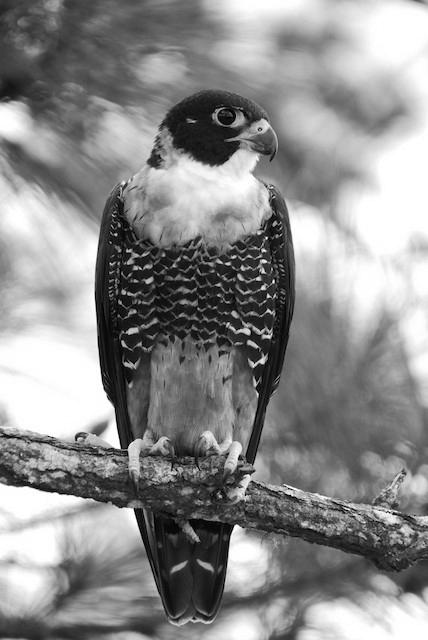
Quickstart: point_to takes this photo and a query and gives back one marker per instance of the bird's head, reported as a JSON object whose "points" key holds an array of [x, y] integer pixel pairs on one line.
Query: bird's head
{"points": [[211, 126]]}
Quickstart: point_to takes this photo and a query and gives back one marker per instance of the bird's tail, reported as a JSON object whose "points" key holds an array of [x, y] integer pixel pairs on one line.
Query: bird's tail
{"points": [[189, 575]]}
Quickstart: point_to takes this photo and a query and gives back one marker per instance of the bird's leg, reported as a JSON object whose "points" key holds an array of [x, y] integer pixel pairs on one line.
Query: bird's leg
{"points": [[207, 445], [92, 440], [148, 447], [163, 447], [137, 446], [233, 453], [225, 445], [235, 494]]}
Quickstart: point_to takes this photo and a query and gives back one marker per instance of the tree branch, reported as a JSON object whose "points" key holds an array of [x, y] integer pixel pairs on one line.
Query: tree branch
{"points": [[392, 540]]}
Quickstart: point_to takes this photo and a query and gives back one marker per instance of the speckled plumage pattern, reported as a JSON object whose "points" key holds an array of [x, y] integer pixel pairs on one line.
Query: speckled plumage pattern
{"points": [[216, 298]]}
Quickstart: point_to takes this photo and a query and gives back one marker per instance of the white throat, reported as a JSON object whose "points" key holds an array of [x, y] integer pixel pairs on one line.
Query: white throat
{"points": [[186, 198]]}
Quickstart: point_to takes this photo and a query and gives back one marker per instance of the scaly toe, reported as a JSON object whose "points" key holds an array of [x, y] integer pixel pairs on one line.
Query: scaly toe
{"points": [[163, 447], [135, 478], [231, 463], [134, 450], [237, 494], [206, 445], [82, 437]]}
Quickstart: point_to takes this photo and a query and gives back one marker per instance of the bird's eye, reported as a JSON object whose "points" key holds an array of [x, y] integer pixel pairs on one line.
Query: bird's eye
{"points": [[227, 117]]}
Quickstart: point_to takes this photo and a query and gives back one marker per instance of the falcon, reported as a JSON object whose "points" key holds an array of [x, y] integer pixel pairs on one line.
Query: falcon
{"points": [[194, 299]]}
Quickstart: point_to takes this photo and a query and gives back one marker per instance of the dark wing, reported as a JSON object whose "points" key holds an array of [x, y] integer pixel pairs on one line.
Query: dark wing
{"points": [[107, 279], [282, 255]]}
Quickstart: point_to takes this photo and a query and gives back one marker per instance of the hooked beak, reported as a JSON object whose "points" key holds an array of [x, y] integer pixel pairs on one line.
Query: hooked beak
{"points": [[260, 137]]}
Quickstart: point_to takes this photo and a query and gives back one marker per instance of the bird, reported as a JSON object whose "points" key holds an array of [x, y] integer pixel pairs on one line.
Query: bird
{"points": [[194, 292]]}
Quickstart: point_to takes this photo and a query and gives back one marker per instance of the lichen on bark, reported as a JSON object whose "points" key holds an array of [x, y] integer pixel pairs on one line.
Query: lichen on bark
{"points": [[392, 540]]}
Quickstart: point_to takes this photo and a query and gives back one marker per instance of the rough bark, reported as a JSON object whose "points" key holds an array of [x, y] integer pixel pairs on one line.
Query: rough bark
{"points": [[392, 540]]}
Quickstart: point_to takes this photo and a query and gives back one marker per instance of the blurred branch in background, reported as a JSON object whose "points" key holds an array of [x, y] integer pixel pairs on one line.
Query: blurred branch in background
{"points": [[83, 88], [70, 59], [14, 524]]}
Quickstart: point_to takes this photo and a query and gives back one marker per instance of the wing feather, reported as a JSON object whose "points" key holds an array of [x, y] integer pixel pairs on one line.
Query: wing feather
{"points": [[107, 279], [108, 275], [281, 246]]}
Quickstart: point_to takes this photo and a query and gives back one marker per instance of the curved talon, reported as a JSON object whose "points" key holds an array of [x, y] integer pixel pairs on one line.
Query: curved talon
{"points": [[227, 474], [229, 471], [237, 494], [171, 453], [218, 494], [199, 450], [134, 476], [81, 436], [174, 458], [163, 447]]}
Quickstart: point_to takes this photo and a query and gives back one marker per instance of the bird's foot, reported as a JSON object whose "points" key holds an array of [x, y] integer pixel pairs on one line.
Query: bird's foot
{"points": [[163, 447], [137, 446], [233, 453], [147, 447], [207, 445], [235, 494], [91, 439]]}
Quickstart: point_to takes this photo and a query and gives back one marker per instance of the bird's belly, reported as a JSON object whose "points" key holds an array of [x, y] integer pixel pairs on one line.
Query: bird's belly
{"points": [[190, 392]]}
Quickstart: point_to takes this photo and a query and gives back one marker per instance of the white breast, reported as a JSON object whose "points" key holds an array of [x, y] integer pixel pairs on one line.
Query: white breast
{"points": [[189, 199]]}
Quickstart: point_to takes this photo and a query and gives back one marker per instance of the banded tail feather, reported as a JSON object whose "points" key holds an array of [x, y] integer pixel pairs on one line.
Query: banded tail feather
{"points": [[190, 576]]}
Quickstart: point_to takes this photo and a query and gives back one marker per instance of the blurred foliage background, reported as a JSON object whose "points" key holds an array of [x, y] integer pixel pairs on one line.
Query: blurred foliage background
{"points": [[83, 87]]}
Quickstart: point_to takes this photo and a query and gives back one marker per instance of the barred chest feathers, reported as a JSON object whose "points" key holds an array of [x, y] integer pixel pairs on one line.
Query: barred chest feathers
{"points": [[187, 199]]}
